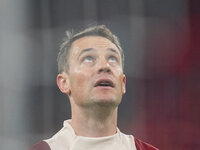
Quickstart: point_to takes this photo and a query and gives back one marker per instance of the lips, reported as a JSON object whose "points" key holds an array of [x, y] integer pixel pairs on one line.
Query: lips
{"points": [[104, 83]]}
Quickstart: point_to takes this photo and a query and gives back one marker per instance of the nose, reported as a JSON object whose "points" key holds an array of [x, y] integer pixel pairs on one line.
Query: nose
{"points": [[104, 67]]}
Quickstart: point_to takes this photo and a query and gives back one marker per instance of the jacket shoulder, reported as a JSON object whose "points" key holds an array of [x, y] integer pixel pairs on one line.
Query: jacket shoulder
{"points": [[42, 145], [140, 145]]}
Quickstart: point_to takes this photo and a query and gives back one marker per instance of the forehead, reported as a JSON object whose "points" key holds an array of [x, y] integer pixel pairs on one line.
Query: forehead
{"points": [[94, 42]]}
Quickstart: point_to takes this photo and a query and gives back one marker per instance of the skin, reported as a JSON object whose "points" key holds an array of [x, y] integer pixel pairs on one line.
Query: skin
{"points": [[94, 108]]}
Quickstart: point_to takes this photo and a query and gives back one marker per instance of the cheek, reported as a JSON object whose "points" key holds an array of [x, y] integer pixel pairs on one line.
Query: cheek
{"points": [[79, 79], [120, 79], [119, 74], [77, 87]]}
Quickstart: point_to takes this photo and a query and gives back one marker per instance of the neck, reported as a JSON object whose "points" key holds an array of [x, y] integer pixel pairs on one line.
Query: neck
{"points": [[98, 121]]}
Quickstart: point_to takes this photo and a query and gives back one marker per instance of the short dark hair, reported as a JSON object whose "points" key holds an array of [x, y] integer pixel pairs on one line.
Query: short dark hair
{"points": [[100, 30]]}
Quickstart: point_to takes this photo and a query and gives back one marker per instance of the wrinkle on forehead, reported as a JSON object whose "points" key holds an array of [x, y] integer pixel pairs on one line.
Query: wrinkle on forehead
{"points": [[93, 42]]}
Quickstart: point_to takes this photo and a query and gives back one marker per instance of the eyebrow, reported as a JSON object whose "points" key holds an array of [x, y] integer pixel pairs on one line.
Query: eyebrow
{"points": [[85, 50], [113, 50], [91, 49]]}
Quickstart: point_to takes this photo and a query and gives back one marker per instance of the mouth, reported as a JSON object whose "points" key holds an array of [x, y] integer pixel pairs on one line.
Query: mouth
{"points": [[104, 83]]}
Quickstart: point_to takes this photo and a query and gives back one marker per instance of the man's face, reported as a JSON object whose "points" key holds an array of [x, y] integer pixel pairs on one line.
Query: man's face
{"points": [[95, 74]]}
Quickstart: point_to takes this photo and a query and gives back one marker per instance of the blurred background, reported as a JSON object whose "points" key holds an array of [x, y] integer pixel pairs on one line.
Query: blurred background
{"points": [[161, 41]]}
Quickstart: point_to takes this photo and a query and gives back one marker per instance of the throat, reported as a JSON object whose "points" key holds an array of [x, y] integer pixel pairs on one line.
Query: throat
{"points": [[95, 125]]}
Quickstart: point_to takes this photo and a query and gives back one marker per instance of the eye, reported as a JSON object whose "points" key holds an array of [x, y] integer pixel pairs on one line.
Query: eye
{"points": [[88, 59], [112, 59]]}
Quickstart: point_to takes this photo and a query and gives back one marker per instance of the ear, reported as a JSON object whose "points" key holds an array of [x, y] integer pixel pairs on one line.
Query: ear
{"points": [[124, 84], [63, 83]]}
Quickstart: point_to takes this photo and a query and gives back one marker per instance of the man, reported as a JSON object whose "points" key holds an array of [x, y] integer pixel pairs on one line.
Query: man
{"points": [[90, 65]]}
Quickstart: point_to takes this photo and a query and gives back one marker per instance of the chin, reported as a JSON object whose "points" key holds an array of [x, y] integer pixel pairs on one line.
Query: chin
{"points": [[107, 101]]}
